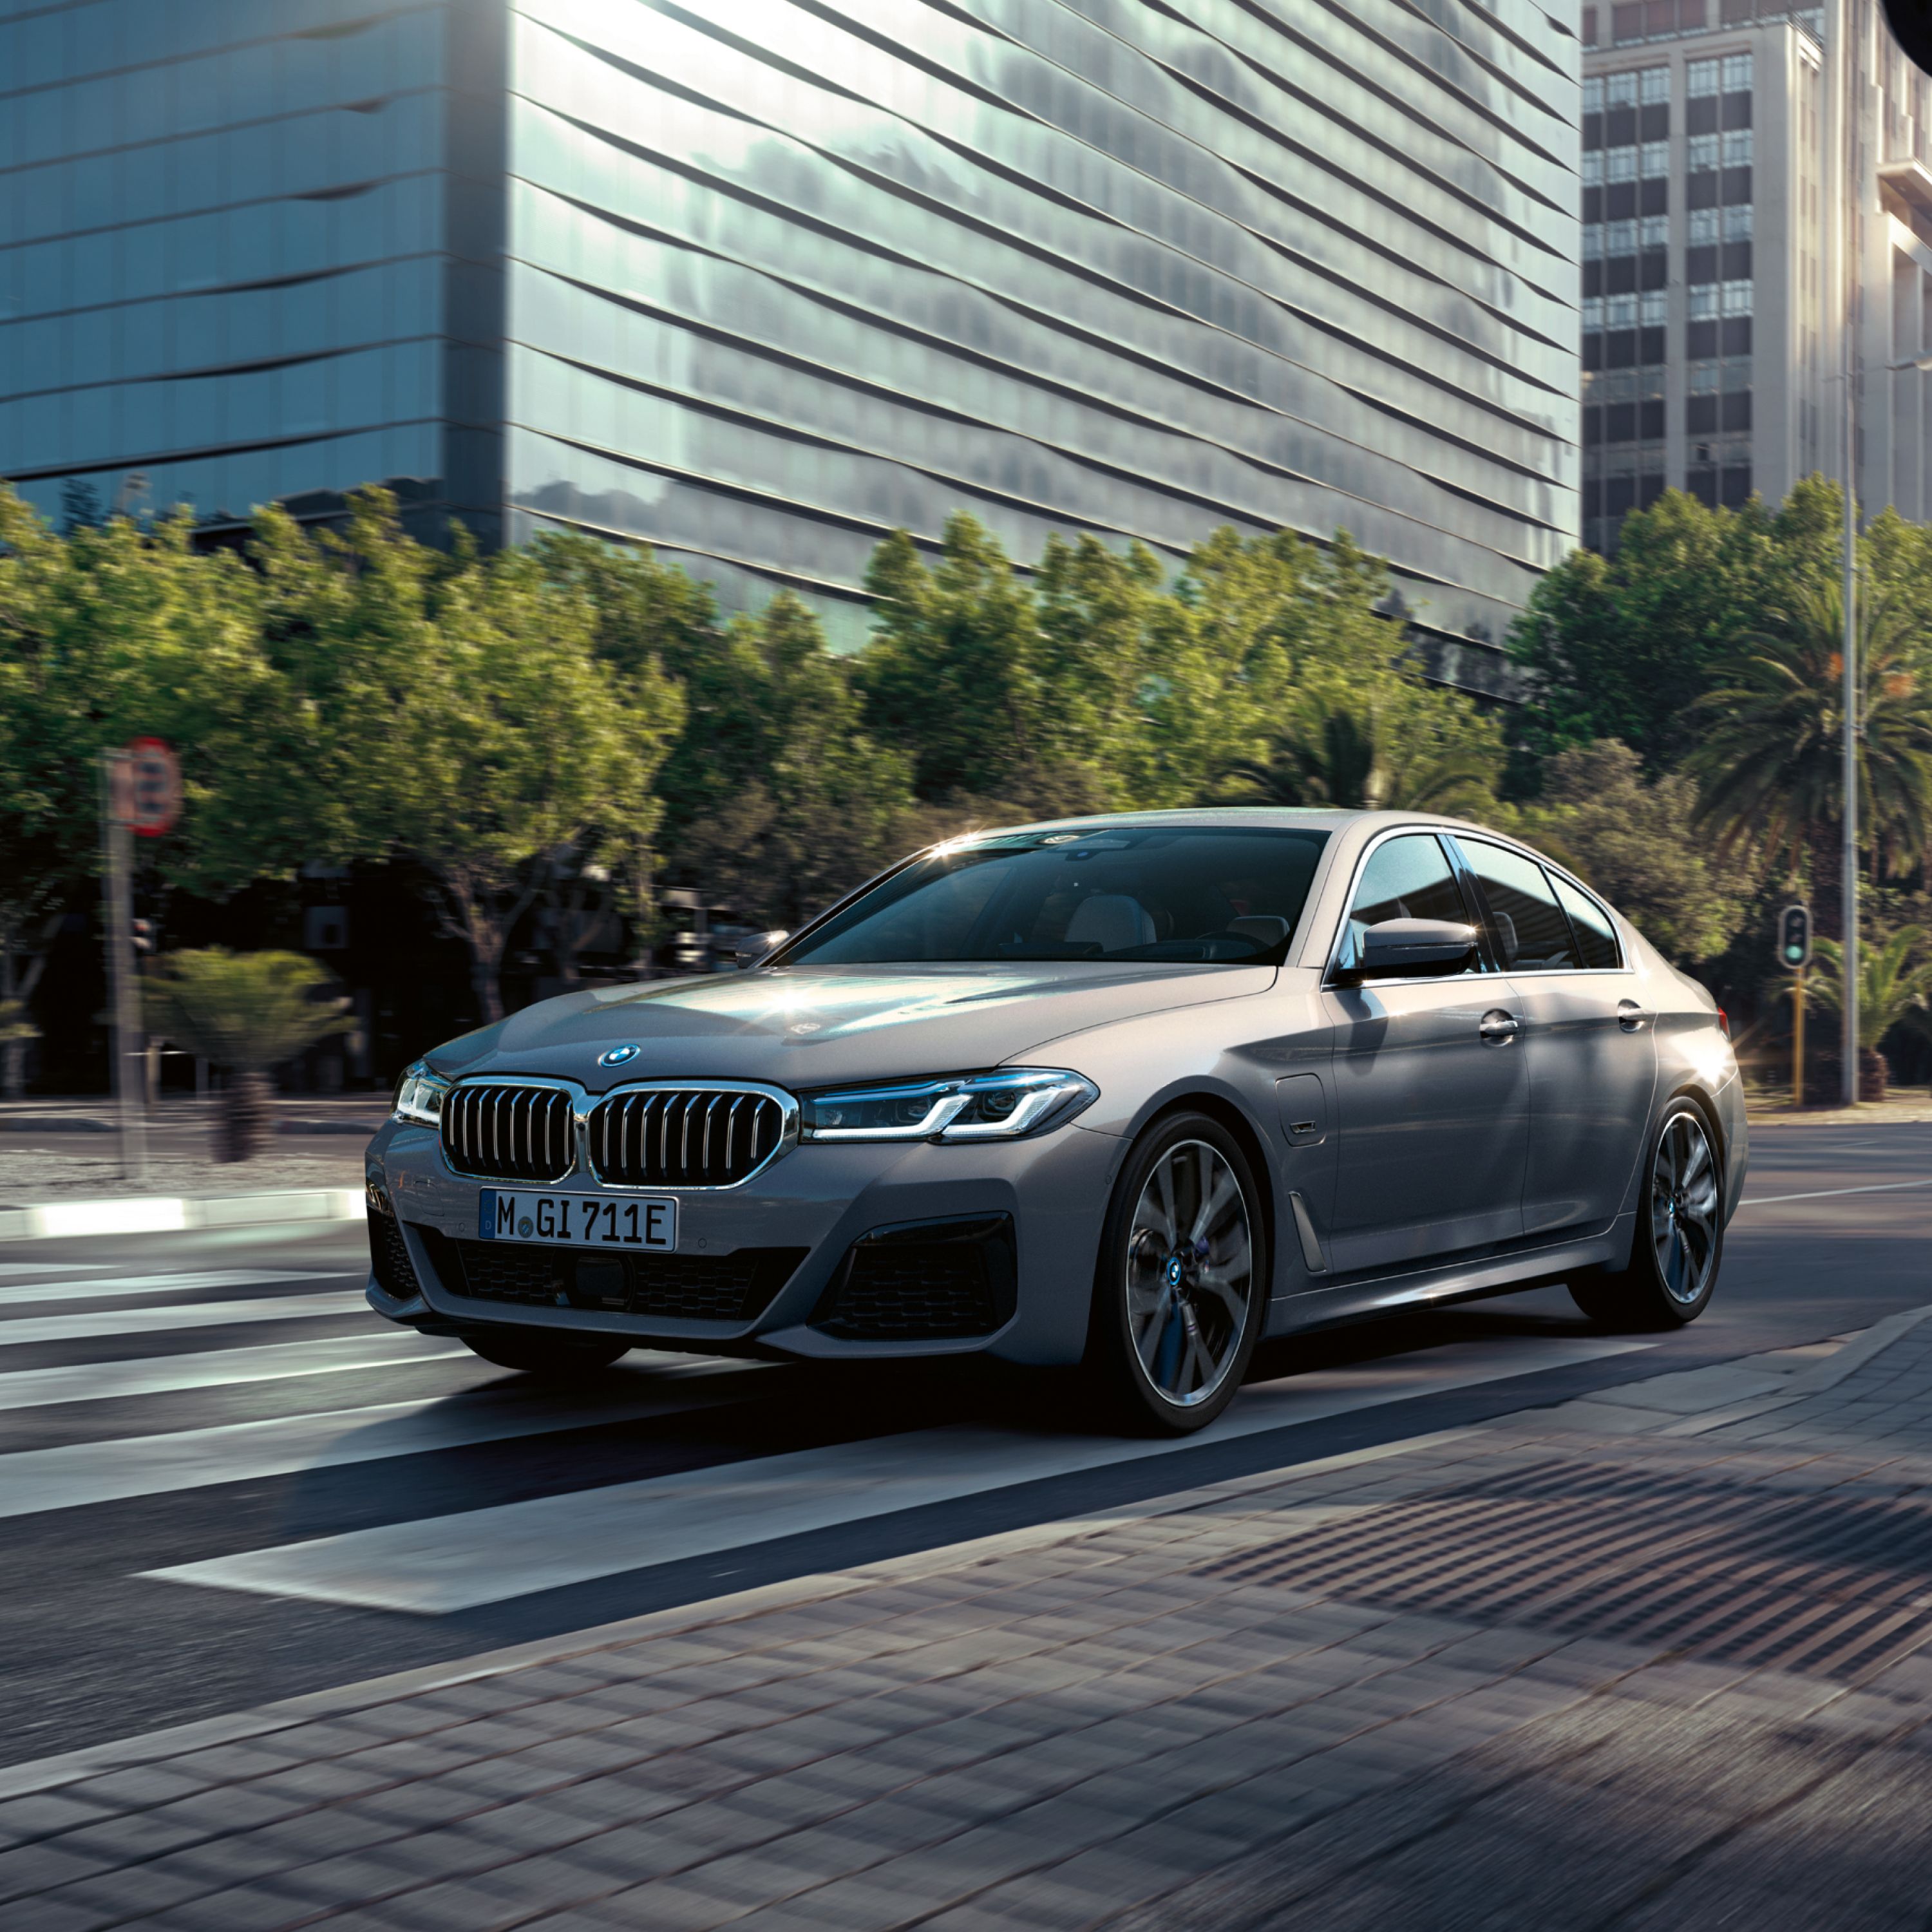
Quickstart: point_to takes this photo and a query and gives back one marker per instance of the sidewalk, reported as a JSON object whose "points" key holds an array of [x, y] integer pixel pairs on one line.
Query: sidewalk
{"points": [[1651, 1660]]}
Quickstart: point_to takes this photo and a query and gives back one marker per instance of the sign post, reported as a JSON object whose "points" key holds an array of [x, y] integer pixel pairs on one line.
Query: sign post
{"points": [[1794, 949], [140, 792]]}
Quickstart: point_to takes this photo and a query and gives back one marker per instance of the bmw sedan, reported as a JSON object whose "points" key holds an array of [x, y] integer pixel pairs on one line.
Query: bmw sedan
{"points": [[1131, 1092]]}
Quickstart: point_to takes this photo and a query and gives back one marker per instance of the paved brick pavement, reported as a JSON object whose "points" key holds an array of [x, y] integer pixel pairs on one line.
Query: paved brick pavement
{"points": [[1620, 1664]]}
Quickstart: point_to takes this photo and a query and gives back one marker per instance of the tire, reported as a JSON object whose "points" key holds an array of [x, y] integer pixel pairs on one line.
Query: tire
{"points": [[1679, 1245], [553, 1357], [1180, 1296]]}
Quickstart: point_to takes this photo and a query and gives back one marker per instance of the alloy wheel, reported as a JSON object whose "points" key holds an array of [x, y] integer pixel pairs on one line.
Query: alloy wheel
{"points": [[1190, 1272], [1683, 1226]]}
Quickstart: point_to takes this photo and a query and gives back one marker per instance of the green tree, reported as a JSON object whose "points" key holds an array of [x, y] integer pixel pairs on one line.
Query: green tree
{"points": [[249, 1012], [1636, 840], [521, 754], [1895, 985], [1624, 647], [1771, 758], [794, 803]]}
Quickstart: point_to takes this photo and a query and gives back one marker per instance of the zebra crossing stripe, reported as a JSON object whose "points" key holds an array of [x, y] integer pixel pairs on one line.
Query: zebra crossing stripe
{"points": [[18, 1330], [213, 1368], [16, 1293], [445, 1564]]}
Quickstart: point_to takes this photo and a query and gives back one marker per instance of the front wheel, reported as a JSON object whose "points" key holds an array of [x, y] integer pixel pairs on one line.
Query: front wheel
{"points": [[1182, 1283], [1680, 1236], [555, 1357]]}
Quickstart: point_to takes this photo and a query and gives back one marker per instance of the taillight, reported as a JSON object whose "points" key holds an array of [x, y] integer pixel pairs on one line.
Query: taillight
{"points": [[1723, 1023]]}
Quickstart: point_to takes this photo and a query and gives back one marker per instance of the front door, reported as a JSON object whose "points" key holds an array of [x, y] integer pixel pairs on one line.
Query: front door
{"points": [[1588, 1036], [1432, 1087]]}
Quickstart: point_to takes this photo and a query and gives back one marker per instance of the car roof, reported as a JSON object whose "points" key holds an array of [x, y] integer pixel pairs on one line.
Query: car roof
{"points": [[1307, 818]]}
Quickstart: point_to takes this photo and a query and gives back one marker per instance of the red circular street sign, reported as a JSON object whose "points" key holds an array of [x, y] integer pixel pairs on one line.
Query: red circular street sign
{"points": [[155, 784]]}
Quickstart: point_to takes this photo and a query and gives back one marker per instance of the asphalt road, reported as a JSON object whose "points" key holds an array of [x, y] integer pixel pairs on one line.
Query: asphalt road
{"points": [[329, 1500]]}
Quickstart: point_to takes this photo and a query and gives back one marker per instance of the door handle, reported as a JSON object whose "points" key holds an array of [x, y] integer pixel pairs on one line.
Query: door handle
{"points": [[1498, 1028], [1630, 1016]]}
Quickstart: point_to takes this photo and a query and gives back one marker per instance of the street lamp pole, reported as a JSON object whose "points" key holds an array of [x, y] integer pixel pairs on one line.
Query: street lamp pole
{"points": [[1846, 58]]}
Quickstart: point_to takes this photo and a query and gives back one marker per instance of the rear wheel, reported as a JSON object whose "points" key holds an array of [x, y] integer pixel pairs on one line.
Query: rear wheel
{"points": [[1182, 1282], [556, 1357], [1680, 1235]]}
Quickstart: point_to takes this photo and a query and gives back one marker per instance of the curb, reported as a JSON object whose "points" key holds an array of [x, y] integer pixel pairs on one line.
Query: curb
{"points": [[171, 1213]]}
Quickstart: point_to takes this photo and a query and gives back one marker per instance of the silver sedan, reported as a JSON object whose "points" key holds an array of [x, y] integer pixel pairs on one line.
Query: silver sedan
{"points": [[1132, 1092]]}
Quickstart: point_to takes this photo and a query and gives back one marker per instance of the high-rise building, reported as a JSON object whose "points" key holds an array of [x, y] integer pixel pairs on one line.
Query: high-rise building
{"points": [[1712, 293], [759, 280]]}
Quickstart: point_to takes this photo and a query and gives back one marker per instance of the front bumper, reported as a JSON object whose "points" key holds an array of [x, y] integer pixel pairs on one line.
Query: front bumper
{"points": [[820, 1198]]}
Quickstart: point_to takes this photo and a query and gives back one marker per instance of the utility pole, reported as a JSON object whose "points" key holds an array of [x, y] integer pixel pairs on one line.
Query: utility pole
{"points": [[1844, 92], [117, 885]]}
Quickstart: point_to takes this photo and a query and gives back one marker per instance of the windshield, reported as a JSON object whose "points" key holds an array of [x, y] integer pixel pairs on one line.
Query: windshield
{"points": [[1199, 894]]}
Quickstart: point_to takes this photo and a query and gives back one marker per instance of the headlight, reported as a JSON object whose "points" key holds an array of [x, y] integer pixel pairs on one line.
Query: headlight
{"points": [[999, 1106], [419, 1095]]}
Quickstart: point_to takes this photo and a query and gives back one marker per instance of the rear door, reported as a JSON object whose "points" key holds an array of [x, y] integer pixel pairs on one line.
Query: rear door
{"points": [[1432, 1095], [1590, 1043]]}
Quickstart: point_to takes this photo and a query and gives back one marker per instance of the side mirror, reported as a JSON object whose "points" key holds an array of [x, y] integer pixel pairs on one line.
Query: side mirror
{"points": [[1412, 949], [755, 947]]}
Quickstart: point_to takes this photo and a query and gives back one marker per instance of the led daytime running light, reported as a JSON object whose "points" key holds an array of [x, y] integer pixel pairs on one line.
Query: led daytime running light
{"points": [[974, 1107]]}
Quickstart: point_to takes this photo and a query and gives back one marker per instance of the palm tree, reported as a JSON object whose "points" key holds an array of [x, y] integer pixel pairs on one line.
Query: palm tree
{"points": [[1770, 766], [248, 1011], [1357, 755], [1893, 985]]}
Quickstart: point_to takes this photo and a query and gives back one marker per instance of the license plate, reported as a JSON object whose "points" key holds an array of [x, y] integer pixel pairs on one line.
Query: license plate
{"points": [[575, 1220]]}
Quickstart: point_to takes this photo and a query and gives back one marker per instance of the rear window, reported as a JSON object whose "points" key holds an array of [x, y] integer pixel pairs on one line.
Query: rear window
{"points": [[1532, 932], [1596, 937], [1196, 895]]}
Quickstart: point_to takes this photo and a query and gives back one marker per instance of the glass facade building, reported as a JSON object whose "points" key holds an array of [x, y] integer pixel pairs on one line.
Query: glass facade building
{"points": [[759, 280]]}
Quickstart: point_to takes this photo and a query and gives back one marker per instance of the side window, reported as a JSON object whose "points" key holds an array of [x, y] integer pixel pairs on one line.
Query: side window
{"points": [[1532, 933], [1406, 878], [1595, 933]]}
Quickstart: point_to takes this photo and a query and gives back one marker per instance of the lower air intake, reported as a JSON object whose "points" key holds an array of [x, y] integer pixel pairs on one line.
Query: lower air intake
{"points": [[924, 1281], [733, 1288]]}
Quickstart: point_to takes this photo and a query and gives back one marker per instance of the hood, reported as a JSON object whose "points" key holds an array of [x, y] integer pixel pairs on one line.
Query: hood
{"points": [[816, 1027]]}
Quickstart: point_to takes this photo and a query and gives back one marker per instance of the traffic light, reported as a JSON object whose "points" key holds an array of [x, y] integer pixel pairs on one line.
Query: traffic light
{"points": [[142, 930], [1794, 936]]}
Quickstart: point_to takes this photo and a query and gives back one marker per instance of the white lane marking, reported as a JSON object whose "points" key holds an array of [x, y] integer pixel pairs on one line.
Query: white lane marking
{"points": [[79, 1473], [17, 1330], [215, 1368], [17, 1292], [1826, 1193], [442, 1563]]}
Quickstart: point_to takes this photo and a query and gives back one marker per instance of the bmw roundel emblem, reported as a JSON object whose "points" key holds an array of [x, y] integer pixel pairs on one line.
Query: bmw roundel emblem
{"points": [[618, 1056]]}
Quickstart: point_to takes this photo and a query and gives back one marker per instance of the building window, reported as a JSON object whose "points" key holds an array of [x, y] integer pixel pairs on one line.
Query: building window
{"points": [[1654, 85], [1593, 240], [1701, 77], [1737, 150], [1700, 152], [1704, 230], [1737, 223], [1737, 298], [1650, 309], [1655, 158], [1701, 301], [1593, 94], [1737, 74], [1656, 231], [1620, 239], [1593, 168], [1620, 89], [1620, 165], [1593, 312], [1620, 312], [1737, 485]]}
